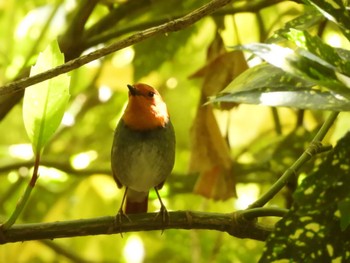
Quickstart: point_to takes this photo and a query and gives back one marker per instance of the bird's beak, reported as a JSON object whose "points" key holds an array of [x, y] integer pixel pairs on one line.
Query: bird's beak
{"points": [[133, 91]]}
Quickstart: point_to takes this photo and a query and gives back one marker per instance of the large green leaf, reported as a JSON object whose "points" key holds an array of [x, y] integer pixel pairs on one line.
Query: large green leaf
{"points": [[265, 75], [303, 64], [315, 230], [316, 46], [271, 86], [44, 103], [303, 22], [300, 98], [334, 10]]}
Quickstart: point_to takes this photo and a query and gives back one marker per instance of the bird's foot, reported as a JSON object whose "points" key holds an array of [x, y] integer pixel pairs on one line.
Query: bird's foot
{"points": [[163, 213], [118, 221]]}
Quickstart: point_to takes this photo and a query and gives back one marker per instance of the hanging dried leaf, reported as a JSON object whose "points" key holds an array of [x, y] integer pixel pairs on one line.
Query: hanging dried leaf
{"points": [[219, 72], [210, 153], [211, 158]]}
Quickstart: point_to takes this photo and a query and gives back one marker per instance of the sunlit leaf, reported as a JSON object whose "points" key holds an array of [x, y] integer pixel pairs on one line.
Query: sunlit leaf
{"points": [[271, 86], [265, 75], [303, 64], [343, 53], [315, 45], [311, 231], [296, 98], [335, 11], [44, 103], [305, 21]]}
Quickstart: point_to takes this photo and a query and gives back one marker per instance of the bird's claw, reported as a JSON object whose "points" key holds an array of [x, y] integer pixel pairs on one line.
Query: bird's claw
{"points": [[119, 220], [163, 212]]}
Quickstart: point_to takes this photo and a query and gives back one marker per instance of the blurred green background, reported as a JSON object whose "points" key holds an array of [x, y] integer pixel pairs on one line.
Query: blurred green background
{"points": [[75, 179]]}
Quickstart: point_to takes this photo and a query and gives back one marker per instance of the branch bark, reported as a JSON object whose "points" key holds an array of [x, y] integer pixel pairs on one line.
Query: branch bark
{"points": [[171, 26], [234, 224]]}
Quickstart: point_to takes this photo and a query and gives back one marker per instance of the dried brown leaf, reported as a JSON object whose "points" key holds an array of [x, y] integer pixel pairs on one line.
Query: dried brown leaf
{"points": [[210, 153], [211, 158]]}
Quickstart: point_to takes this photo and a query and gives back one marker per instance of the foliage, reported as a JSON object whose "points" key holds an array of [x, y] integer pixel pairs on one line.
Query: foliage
{"points": [[312, 65], [307, 232], [314, 76], [236, 151]]}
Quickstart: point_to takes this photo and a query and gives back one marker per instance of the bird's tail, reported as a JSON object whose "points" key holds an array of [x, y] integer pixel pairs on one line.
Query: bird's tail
{"points": [[136, 202]]}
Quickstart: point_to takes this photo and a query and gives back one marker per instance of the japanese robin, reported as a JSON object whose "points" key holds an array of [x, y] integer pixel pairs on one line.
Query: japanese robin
{"points": [[143, 151]]}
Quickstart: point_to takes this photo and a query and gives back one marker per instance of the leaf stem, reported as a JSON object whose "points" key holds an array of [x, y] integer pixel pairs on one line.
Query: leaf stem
{"points": [[276, 120], [25, 197], [314, 148]]}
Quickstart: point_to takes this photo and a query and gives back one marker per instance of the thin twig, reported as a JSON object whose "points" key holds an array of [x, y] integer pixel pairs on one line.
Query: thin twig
{"points": [[63, 251], [276, 120], [171, 26], [24, 198], [253, 213], [314, 148]]}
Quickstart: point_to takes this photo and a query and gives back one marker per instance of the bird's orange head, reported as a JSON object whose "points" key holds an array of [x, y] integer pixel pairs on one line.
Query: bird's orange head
{"points": [[146, 109]]}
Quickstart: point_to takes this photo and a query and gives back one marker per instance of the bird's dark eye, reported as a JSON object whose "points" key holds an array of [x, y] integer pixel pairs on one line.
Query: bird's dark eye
{"points": [[150, 94]]}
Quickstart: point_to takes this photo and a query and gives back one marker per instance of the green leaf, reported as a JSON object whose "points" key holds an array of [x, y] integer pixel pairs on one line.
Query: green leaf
{"points": [[305, 21], [44, 103], [267, 85], [312, 230], [303, 64], [316, 46], [265, 75], [300, 98], [335, 11], [344, 208]]}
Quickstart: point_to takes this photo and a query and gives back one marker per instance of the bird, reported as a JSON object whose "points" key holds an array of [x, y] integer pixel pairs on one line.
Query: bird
{"points": [[143, 149]]}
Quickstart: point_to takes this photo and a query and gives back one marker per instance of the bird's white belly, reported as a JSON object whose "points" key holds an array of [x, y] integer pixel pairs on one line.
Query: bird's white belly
{"points": [[144, 172]]}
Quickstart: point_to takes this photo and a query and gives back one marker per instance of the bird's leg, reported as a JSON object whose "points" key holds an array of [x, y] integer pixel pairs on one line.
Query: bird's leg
{"points": [[163, 211], [121, 214]]}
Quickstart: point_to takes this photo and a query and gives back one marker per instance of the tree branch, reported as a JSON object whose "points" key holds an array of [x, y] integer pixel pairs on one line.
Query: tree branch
{"points": [[116, 15], [314, 148], [171, 26], [60, 250], [252, 213], [183, 183], [234, 224], [71, 40], [106, 35]]}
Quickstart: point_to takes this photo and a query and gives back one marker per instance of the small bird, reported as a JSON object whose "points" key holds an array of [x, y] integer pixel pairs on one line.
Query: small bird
{"points": [[143, 150]]}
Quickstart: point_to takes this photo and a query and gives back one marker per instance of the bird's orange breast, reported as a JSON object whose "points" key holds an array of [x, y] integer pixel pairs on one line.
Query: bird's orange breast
{"points": [[145, 114]]}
